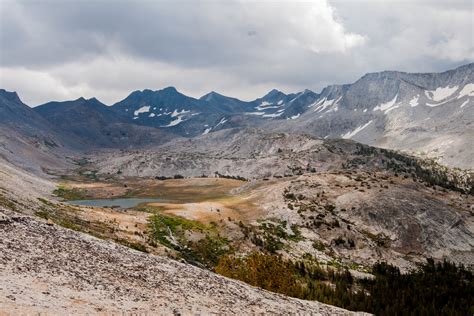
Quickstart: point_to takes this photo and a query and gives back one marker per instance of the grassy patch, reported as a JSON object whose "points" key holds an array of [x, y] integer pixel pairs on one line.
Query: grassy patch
{"points": [[270, 236], [318, 245], [379, 239], [296, 236], [207, 251], [7, 203], [68, 193], [197, 243]]}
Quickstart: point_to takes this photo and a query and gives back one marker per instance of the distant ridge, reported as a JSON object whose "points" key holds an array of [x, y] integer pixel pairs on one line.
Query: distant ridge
{"points": [[426, 113]]}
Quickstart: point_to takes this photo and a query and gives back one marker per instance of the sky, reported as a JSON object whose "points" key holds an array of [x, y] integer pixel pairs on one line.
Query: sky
{"points": [[63, 50]]}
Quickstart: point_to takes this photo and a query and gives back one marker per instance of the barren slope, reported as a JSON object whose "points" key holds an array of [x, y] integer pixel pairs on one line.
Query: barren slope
{"points": [[46, 268]]}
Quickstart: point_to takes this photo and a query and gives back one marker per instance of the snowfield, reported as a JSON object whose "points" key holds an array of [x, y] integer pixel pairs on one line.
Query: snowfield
{"points": [[441, 93], [386, 107], [356, 131], [143, 109]]}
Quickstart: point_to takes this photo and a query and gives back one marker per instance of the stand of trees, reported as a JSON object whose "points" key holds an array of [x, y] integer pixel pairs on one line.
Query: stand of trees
{"points": [[432, 289]]}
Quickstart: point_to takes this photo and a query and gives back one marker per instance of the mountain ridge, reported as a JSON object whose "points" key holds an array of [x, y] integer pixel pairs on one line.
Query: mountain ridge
{"points": [[425, 113]]}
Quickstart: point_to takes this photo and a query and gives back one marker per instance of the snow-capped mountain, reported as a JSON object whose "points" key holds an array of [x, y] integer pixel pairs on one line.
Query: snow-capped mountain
{"points": [[90, 123], [427, 113], [277, 105], [187, 116], [177, 113], [430, 114]]}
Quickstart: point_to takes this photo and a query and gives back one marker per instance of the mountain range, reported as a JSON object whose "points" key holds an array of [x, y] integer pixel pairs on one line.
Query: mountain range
{"points": [[428, 114]]}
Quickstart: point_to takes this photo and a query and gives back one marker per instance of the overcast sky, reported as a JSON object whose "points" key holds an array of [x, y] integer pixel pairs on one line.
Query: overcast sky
{"points": [[60, 50]]}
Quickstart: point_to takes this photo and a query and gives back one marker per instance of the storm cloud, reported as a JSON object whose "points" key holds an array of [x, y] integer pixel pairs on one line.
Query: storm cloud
{"points": [[58, 50]]}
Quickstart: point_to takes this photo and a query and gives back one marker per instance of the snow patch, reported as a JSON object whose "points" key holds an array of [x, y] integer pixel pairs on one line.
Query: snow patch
{"points": [[143, 109], [437, 104], [151, 115], [294, 117], [176, 112], [263, 106], [467, 90], [392, 108], [273, 115], [254, 113], [333, 109], [386, 106], [325, 103], [178, 115], [280, 102], [222, 122], [175, 122], [269, 107], [414, 102], [266, 105], [440, 93], [354, 132], [207, 130], [318, 102], [297, 96], [464, 103]]}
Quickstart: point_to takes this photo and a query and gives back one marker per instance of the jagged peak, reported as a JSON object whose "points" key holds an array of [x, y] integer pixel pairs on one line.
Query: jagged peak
{"points": [[306, 91], [273, 93], [170, 89], [147, 91], [10, 95], [82, 101], [210, 95]]}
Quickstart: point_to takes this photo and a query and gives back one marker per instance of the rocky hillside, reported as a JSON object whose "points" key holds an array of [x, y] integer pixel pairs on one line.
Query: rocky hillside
{"points": [[428, 114], [257, 154], [52, 274], [61, 281], [27, 139]]}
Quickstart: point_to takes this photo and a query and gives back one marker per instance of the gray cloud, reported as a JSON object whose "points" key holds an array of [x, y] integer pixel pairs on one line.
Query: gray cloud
{"points": [[66, 49]]}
